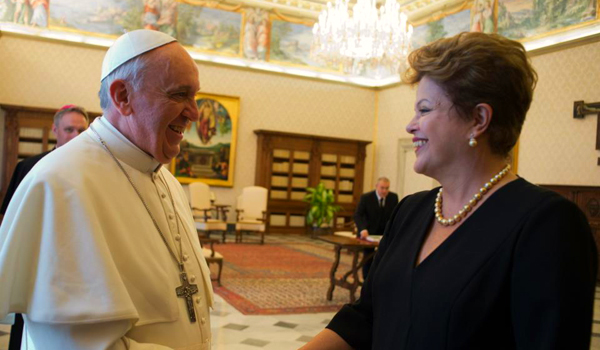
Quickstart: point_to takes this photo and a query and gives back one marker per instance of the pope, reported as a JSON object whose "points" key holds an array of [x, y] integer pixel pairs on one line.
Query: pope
{"points": [[98, 247]]}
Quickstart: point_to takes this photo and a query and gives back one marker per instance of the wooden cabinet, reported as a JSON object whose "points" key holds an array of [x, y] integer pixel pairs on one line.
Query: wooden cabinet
{"points": [[27, 132], [587, 199], [287, 163]]}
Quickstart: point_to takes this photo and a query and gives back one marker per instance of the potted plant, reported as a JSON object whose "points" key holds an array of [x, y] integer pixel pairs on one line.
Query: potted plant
{"points": [[321, 207]]}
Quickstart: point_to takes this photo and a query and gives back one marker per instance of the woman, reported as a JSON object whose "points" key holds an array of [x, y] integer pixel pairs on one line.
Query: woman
{"points": [[511, 267]]}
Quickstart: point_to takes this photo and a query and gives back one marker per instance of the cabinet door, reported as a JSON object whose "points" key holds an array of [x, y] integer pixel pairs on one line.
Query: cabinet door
{"points": [[299, 175], [289, 163], [280, 173], [27, 132], [338, 174], [290, 171], [289, 174], [588, 200], [35, 137]]}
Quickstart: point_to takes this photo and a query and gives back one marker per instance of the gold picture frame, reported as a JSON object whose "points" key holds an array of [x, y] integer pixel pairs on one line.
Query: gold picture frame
{"points": [[209, 144]]}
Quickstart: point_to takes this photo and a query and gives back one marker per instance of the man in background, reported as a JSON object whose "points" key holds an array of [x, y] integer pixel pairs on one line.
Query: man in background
{"points": [[99, 248], [372, 214], [69, 121]]}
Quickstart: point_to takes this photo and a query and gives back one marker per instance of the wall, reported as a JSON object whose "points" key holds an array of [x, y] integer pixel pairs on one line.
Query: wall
{"points": [[277, 102], [50, 74], [395, 110], [554, 147]]}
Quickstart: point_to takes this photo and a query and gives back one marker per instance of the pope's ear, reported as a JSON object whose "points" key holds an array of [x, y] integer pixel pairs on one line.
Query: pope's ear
{"points": [[482, 118], [120, 95]]}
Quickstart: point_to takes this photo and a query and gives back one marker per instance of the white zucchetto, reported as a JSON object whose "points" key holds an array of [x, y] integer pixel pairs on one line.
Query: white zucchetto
{"points": [[131, 45]]}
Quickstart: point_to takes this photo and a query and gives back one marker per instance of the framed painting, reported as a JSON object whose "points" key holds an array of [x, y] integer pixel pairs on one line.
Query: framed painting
{"points": [[483, 16], [256, 33], [290, 45], [210, 30], [103, 17], [32, 13], [208, 147], [527, 19], [437, 28]]}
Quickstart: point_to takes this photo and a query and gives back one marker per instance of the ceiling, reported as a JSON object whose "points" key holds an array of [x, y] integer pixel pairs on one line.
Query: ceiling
{"points": [[308, 10]]}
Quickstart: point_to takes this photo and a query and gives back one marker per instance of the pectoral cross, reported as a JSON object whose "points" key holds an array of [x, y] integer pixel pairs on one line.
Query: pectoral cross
{"points": [[186, 290]]}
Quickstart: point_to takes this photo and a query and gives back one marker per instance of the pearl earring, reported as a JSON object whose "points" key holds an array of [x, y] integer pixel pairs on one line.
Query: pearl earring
{"points": [[472, 141]]}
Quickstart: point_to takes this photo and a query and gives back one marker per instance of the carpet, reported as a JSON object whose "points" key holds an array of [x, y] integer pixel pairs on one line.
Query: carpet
{"points": [[282, 278]]}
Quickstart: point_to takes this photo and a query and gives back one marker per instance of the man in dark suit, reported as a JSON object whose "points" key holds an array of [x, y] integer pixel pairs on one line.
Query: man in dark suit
{"points": [[69, 121], [373, 212]]}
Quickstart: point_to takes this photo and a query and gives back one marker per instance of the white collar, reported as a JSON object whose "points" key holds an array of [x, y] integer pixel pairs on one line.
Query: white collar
{"points": [[122, 148]]}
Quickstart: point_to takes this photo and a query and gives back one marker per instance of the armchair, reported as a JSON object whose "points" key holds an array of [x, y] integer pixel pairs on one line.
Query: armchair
{"points": [[202, 210], [252, 212]]}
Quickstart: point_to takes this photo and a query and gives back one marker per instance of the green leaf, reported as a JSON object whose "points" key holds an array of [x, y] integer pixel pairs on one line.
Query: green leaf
{"points": [[322, 207]]}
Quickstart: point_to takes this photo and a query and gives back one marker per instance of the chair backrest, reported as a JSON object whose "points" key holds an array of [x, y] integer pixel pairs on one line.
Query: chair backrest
{"points": [[199, 196], [253, 201]]}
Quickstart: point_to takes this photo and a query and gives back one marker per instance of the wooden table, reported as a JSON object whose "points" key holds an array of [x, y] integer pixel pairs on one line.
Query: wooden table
{"points": [[223, 209], [355, 246], [212, 257]]}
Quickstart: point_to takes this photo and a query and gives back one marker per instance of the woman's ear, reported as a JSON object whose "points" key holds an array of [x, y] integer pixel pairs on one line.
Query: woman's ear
{"points": [[120, 95], [482, 114]]}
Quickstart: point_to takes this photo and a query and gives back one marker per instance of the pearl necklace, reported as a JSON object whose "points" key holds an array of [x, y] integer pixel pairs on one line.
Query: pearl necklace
{"points": [[437, 207]]}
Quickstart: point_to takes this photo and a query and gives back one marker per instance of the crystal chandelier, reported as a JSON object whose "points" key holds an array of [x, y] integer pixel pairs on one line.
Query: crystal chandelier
{"points": [[366, 39]]}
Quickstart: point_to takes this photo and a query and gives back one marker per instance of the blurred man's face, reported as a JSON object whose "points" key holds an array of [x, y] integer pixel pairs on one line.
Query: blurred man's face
{"points": [[70, 125], [164, 106], [382, 188]]}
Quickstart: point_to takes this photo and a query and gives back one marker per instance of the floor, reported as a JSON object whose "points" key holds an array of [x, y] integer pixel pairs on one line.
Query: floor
{"points": [[232, 330]]}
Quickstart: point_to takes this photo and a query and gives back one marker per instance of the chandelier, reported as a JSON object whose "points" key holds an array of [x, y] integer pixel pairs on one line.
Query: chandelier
{"points": [[369, 38]]}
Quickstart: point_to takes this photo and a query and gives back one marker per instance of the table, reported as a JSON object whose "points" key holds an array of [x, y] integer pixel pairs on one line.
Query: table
{"points": [[355, 246], [211, 256], [223, 209]]}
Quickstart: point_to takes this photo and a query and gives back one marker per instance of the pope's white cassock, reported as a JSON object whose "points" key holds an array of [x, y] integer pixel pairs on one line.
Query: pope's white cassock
{"points": [[82, 259]]}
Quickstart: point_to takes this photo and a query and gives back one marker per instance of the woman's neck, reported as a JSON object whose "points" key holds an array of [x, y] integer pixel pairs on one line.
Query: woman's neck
{"points": [[462, 181]]}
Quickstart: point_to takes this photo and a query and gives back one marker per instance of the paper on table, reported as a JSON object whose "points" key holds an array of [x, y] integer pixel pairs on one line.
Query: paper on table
{"points": [[374, 238]]}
